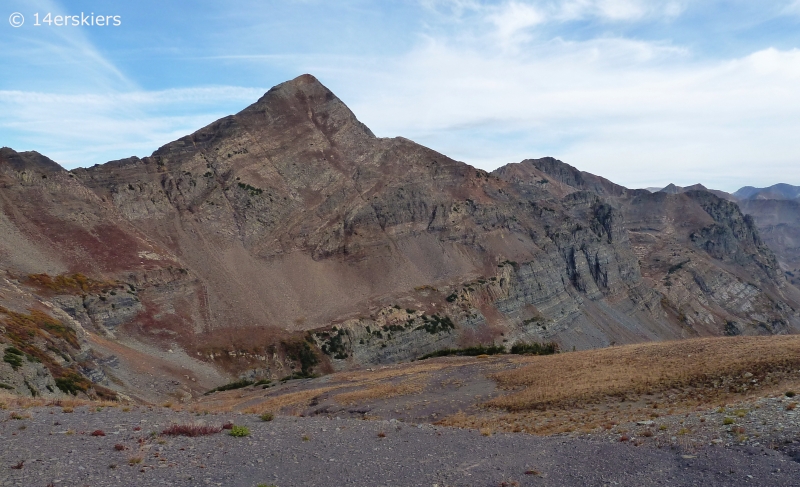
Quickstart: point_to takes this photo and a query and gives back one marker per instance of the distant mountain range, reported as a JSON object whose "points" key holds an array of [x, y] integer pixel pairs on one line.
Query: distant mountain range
{"points": [[673, 189], [780, 191]]}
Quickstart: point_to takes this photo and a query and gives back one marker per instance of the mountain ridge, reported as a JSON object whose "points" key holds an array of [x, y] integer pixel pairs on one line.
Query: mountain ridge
{"points": [[288, 238]]}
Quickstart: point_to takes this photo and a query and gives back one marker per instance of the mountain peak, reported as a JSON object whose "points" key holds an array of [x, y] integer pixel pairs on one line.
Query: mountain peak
{"points": [[302, 105]]}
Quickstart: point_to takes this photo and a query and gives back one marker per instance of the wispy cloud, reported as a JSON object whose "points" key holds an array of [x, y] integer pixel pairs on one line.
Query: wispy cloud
{"points": [[792, 7], [642, 113], [84, 129], [69, 48]]}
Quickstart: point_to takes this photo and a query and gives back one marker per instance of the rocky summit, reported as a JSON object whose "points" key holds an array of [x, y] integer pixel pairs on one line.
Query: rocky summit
{"points": [[289, 240]]}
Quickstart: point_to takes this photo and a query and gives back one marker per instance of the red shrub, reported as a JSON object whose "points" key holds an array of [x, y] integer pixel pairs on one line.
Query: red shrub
{"points": [[98, 433]]}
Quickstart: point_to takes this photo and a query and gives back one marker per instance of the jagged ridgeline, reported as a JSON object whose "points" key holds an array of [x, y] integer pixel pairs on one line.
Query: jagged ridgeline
{"points": [[288, 240]]}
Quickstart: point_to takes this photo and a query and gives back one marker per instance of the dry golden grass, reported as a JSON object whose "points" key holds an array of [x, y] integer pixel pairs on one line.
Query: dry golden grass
{"points": [[715, 365], [292, 399], [401, 370], [587, 391], [576, 391], [11, 401], [382, 391]]}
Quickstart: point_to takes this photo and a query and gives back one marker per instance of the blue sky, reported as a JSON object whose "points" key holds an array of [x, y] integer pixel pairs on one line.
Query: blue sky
{"points": [[642, 92]]}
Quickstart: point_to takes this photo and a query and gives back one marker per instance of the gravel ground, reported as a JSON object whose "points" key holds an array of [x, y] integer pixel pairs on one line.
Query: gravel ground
{"points": [[52, 447], [773, 422]]}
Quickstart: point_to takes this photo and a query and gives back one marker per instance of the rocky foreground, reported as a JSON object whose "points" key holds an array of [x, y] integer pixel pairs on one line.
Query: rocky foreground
{"points": [[105, 446]]}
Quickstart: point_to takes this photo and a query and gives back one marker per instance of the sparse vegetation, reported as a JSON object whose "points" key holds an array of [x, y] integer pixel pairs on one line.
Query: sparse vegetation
{"points": [[334, 344], [239, 431], [535, 348], [468, 351], [36, 334], [13, 357], [71, 284], [301, 351], [581, 377], [436, 324], [231, 386], [676, 267], [191, 430], [72, 383], [292, 399], [252, 190], [583, 390], [382, 391]]}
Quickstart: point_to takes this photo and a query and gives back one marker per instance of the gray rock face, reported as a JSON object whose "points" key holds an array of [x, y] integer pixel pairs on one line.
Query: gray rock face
{"points": [[30, 378], [778, 223], [103, 312]]}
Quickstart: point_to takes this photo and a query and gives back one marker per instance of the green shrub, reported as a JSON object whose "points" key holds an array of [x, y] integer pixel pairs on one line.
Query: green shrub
{"points": [[436, 324], [298, 375], [71, 384], [233, 385], [469, 351], [13, 357], [534, 348], [267, 417], [790, 394], [239, 431], [727, 421], [303, 353]]}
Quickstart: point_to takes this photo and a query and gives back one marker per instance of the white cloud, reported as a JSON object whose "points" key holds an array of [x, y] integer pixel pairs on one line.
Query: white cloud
{"points": [[516, 14], [639, 113], [84, 129], [511, 24], [513, 19]]}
